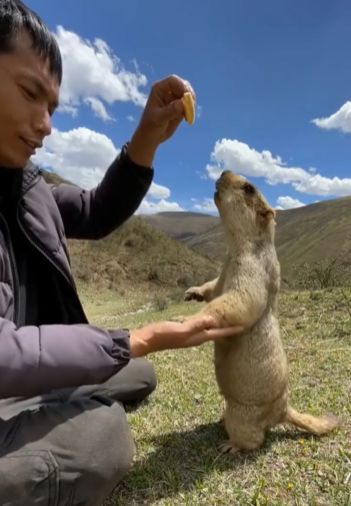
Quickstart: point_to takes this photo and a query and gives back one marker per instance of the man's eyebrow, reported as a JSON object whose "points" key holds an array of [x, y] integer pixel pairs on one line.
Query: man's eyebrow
{"points": [[41, 87]]}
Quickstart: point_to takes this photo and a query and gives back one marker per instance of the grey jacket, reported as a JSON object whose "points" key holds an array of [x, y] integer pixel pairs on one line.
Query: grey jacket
{"points": [[36, 359]]}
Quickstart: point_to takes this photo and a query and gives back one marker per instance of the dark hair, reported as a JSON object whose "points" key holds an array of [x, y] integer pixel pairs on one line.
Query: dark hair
{"points": [[14, 17]]}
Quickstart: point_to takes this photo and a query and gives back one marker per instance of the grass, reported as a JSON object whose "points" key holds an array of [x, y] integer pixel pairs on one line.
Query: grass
{"points": [[177, 431]]}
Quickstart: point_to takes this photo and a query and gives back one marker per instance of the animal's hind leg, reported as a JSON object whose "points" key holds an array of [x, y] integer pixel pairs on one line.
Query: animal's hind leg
{"points": [[244, 435]]}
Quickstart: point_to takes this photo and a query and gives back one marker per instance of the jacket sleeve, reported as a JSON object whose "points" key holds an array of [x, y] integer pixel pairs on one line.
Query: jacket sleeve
{"points": [[92, 214], [34, 360]]}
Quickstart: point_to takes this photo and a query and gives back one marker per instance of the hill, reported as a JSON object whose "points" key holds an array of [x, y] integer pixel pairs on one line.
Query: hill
{"points": [[182, 226], [182, 248], [138, 254], [315, 234], [53, 178]]}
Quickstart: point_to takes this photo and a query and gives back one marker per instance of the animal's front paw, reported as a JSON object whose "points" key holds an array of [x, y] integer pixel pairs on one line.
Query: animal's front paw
{"points": [[227, 447], [193, 293]]}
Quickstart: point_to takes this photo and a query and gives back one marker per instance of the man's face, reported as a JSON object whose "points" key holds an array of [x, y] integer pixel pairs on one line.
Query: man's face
{"points": [[28, 98]]}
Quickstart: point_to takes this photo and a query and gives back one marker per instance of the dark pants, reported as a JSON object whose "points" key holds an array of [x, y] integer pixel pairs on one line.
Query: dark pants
{"points": [[72, 446]]}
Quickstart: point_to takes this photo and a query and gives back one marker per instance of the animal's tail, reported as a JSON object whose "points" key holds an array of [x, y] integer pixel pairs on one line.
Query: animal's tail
{"points": [[312, 424]]}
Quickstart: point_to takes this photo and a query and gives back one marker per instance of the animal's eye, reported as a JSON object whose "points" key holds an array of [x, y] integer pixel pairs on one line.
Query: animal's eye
{"points": [[248, 188]]}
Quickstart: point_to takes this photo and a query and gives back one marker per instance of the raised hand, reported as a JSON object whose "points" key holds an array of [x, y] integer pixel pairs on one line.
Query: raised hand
{"points": [[164, 110]]}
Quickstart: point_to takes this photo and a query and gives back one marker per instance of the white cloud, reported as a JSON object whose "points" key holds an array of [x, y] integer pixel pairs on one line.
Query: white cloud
{"points": [[205, 206], [158, 192], [319, 185], [156, 201], [68, 109], [80, 155], [198, 111], [231, 154], [131, 118], [93, 72], [83, 156], [312, 170], [162, 205], [98, 108], [340, 120], [288, 203]]}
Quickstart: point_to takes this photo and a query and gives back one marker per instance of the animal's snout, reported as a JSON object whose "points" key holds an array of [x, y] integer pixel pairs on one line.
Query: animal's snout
{"points": [[224, 173], [224, 179]]}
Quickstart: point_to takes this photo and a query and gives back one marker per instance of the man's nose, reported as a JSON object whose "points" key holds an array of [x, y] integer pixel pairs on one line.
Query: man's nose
{"points": [[43, 123]]}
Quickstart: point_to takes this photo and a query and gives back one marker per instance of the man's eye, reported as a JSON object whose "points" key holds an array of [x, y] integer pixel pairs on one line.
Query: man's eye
{"points": [[248, 188], [29, 93]]}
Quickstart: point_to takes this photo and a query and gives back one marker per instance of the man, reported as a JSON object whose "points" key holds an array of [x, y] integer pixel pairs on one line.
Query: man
{"points": [[64, 437]]}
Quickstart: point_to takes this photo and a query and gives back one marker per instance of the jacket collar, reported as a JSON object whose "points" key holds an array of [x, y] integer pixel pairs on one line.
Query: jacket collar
{"points": [[30, 173], [14, 183]]}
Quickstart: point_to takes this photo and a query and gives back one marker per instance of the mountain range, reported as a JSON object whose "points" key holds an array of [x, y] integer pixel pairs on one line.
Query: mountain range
{"points": [[317, 234], [183, 248]]}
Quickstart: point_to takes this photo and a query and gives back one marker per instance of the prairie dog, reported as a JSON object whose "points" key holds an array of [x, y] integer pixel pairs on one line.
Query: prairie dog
{"points": [[251, 369]]}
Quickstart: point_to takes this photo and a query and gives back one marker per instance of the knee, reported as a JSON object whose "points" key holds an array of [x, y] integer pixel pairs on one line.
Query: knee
{"points": [[141, 380], [105, 451], [113, 446], [84, 447], [147, 372]]}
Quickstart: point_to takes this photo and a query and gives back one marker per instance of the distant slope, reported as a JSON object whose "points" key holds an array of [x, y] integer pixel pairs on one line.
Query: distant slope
{"points": [[210, 243], [314, 233], [179, 249], [138, 254], [53, 178], [181, 225]]}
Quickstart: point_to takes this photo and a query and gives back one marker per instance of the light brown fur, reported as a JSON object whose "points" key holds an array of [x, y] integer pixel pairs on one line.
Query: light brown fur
{"points": [[251, 369]]}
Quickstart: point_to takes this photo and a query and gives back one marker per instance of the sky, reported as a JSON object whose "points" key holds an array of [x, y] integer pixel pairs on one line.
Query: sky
{"points": [[272, 80]]}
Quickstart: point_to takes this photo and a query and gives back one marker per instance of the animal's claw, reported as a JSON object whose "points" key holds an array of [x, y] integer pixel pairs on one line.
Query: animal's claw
{"points": [[227, 447], [193, 294]]}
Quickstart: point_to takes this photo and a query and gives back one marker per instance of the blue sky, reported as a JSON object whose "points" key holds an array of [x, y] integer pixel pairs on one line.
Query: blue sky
{"points": [[273, 85]]}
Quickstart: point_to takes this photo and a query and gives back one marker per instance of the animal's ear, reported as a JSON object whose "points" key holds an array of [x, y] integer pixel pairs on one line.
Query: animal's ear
{"points": [[265, 214]]}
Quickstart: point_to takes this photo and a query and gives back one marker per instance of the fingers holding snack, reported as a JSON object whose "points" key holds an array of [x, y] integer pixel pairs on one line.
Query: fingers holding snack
{"points": [[189, 107], [170, 100]]}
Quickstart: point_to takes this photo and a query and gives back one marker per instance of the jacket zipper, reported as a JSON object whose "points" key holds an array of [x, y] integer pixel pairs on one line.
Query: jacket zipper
{"points": [[16, 298], [43, 252]]}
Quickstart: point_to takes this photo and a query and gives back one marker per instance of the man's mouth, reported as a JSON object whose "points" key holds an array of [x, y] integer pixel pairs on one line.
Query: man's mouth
{"points": [[31, 143]]}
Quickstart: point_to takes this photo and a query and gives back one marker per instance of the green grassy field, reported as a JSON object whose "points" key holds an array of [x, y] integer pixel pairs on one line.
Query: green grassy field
{"points": [[177, 431]]}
